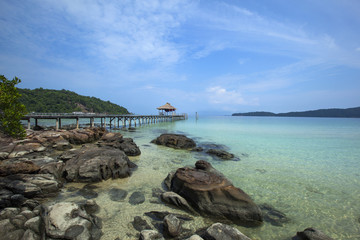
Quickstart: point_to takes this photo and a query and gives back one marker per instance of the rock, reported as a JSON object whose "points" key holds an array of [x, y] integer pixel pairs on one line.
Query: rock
{"points": [[136, 198], [67, 220], [159, 216], [10, 168], [219, 231], [9, 213], [14, 235], [91, 207], [28, 214], [30, 235], [195, 237], [174, 141], [33, 224], [17, 200], [88, 192], [94, 164], [6, 147], [5, 227], [84, 135], [172, 225], [177, 200], [117, 194], [26, 148], [140, 224], [312, 234], [18, 221], [54, 168], [5, 198], [116, 140], [33, 185], [62, 145], [151, 235], [273, 216], [212, 194], [129, 147], [168, 179], [220, 154]]}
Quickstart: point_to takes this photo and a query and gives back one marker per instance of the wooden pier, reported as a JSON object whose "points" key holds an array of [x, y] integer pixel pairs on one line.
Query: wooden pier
{"points": [[113, 119]]}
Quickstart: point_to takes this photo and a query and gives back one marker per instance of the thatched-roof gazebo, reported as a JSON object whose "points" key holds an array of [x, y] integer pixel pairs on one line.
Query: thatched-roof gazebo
{"points": [[165, 109]]}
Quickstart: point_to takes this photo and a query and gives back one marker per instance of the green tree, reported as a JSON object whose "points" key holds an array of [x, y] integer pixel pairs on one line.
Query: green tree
{"points": [[11, 110]]}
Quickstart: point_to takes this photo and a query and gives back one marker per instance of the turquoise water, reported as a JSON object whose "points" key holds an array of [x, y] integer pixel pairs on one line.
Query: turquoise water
{"points": [[307, 168]]}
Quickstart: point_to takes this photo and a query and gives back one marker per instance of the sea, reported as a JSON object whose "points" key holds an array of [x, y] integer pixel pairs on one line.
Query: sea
{"points": [[307, 169]]}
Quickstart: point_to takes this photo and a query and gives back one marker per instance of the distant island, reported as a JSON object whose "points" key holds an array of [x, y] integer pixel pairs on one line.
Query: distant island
{"points": [[64, 101], [330, 113]]}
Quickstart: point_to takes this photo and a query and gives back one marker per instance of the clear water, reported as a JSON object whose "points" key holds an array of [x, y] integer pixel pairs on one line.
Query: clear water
{"points": [[307, 168]]}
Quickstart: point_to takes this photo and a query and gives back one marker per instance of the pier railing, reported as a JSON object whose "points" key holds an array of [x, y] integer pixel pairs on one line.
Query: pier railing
{"points": [[127, 119]]}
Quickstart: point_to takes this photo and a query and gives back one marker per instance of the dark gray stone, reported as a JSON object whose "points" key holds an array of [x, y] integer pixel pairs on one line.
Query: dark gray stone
{"points": [[117, 194], [312, 234], [273, 216], [74, 231], [140, 224], [224, 155], [136, 198]]}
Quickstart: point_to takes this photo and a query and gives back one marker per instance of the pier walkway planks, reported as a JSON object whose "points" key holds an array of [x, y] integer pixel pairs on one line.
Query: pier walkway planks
{"points": [[129, 119]]}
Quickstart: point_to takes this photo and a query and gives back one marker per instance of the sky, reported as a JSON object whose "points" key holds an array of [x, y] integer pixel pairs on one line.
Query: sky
{"points": [[207, 56]]}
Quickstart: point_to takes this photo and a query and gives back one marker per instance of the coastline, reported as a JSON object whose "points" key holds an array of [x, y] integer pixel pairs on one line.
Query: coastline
{"points": [[147, 174]]}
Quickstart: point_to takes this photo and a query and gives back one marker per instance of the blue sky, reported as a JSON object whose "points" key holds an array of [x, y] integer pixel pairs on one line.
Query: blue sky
{"points": [[211, 57]]}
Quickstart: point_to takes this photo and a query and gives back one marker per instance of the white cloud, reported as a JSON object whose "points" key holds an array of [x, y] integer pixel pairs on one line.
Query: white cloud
{"points": [[220, 95]]}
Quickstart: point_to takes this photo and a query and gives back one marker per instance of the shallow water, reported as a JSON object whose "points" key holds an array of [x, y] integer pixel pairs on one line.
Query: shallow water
{"points": [[307, 168]]}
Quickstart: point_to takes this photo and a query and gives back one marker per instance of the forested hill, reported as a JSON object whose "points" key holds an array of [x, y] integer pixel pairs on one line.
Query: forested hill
{"points": [[333, 112], [64, 101]]}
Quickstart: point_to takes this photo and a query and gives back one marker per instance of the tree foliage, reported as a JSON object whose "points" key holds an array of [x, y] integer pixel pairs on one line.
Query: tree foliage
{"points": [[64, 101], [11, 109]]}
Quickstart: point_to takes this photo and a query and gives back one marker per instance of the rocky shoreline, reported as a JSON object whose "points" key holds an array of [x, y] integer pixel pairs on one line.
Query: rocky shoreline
{"points": [[36, 168]]}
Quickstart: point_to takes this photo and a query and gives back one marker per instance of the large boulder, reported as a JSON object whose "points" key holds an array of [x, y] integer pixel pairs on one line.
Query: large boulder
{"points": [[177, 141], [116, 140], [94, 164], [67, 220], [212, 194]]}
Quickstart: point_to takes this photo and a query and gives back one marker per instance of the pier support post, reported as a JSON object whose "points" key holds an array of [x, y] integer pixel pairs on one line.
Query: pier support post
{"points": [[36, 122], [104, 123], [77, 123], [92, 122], [28, 127], [57, 124]]}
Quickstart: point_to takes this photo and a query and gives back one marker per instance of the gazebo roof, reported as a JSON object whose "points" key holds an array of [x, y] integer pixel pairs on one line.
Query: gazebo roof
{"points": [[167, 106]]}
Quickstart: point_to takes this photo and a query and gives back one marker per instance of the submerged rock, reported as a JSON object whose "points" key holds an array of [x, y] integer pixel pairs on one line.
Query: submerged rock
{"points": [[273, 216], [140, 224], [117, 194], [311, 234], [174, 141], [220, 154], [210, 193], [136, 198], [219, 231]]}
